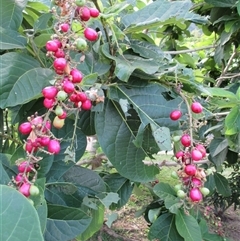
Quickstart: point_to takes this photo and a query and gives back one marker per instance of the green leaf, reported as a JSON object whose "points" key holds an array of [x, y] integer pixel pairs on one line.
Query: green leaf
{"points": [[109, 199], [218, 145], [65, 223], [11, 39], [41, 39], [121, 185], [21, 79], [214, 91], [164, 190], [18, 215], [222, 3], [157, 12], [232, 121], [95, 225], [222, 185], [187, 227], [164, 229], [116, 140], [4, 178], [11, 13], [42, 22], [126, 64]]}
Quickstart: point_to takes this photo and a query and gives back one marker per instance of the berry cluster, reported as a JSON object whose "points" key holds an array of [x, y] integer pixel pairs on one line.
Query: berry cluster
{"points": [[64, 95], [191, 176]]}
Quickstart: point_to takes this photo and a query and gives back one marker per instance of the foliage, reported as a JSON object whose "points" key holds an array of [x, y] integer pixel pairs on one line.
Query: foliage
{"points": [[150, 58]]}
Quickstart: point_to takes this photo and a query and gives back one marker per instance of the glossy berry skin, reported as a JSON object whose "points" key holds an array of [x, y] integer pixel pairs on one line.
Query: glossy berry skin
{"points": [[195, 195], [37, 121], [81, 96], [25, 189], [175, 115], [24, 167], [54, 146], [34, 191], [58, 42], [196, 107], [64, 27], [202, 149], [190, 170], [77, 76], [90, 34], [186, 140], [25, 128], [58, 123], [205, 191], [59, 110], [94, 12], [179, 154], [20, 178], [59, 53], [87, 105], [60, 64], [196, 155], [50, 92], [63, 116], [68, 86], [48, 103], [81, 44], [51, 46], [84, 13], [196, 182], [62, 95], [44, 141]]}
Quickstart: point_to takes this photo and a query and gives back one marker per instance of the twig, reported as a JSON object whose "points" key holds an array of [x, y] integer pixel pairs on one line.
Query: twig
{"points": [[189, 50], [161, 163]]}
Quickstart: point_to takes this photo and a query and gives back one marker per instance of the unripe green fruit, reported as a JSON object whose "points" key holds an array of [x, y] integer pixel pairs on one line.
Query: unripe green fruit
{"points": [[205, 191], [62, 95], [174, 175], [80, 3], [178, 187], [59, 110], [181, 194], [58, 123], [176, 138], [34, 191], [81, 44]]}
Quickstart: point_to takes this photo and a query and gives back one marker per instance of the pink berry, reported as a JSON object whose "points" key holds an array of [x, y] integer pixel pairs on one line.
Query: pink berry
{"points": [[54, 146], [37, 121], [50, 92], [51, 46], [48, 103], [175, 115], [73, 97], [84, 13], [186, 140], [20, 178], [202, 149], [190, 170], [196, 155], [63, 116], [47, 126], [25, 189], [179, 154], [87, 105], [81, 96], [25, 128], [30, 146], [58, 42], [68, 86], [60, 64], [196, 107], [44, 141], [195, 194], [64, 27], [25, 167], [59, 53], [196, 182], [77, 75], [90, 34], [94, 12]]}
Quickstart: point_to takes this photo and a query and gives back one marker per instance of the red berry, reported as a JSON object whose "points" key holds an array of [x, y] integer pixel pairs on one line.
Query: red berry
{"points": [[175, 115], [90, 34], [50, 92], [25, 167], [81, 96], [20, 178], [64, 27], [77, 75], [60, 64], [196, 182], [179, 154], [84, 13], [44, 141], [63, 116], [54, 146], [186, 140], [58, 42], [48, 103], [94, 12], [30, 147], [59, 53], [195, 195], [73, 97], [68, 86], [202, 149], [25, 128], [196, 155], [51, 46], [196, 107], [38, 120], [86, 105], [25, 189], [190, 170]]}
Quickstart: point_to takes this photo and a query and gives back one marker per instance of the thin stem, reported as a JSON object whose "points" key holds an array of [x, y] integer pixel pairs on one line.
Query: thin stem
{"points": [[74, 130], [189, 50]]}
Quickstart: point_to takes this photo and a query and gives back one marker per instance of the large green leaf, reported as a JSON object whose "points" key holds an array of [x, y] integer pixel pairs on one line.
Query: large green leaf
{"points": [[214, 91], [222, 184], [11, 13], [4, 178], [232, 121], [156, 13], [19, 219], [21, 79], [116, 139], [222, 3], [65, 223], [187, 227], [11, 39], [164, 229]]}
